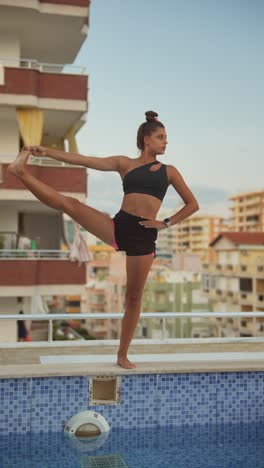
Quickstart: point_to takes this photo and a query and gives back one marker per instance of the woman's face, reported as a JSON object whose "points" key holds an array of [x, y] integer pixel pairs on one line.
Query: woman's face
{"points": [[157, 141]]}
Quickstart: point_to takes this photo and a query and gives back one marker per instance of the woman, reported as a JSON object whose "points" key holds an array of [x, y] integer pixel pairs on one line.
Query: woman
{"points": [[134, 228]]}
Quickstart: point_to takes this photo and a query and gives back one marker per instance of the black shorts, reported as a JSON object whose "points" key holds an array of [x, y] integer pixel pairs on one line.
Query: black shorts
{"points": [[131, 236]]}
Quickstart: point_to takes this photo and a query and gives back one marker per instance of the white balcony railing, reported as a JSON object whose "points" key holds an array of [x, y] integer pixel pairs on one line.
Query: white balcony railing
{"points": [[22, 254], [41, 161], [50, 318], [44, 67]]}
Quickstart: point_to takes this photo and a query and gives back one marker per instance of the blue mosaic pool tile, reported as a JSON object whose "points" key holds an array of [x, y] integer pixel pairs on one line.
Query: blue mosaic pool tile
{"points": [[55, 400], [240, 397], [186, 399], [147, 400], [15, 401], [138, 403], [232, 446]]}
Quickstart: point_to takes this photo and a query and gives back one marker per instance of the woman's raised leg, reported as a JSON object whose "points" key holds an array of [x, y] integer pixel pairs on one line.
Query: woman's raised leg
{"points": [[94, 221]]}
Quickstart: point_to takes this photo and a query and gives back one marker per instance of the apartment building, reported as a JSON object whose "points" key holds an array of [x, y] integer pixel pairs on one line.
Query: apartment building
{"points": [[195, 233], [99, 295], [43, 100], [174, 291], [166, 238], [235, 280], [247, 212]]}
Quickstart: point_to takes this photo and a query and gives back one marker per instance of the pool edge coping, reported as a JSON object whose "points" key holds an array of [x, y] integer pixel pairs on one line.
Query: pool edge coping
{"points": [[62, 370]]}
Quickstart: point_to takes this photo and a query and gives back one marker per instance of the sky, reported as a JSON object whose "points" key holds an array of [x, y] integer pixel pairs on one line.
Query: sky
{"points": [[199, 65]]}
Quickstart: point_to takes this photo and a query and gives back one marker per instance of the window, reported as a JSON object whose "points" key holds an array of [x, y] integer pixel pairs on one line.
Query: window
{"points": [[161, 298], [246, 284]]}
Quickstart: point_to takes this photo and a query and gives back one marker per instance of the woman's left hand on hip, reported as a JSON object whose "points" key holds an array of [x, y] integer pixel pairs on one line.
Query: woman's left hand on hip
{"points": [[152, 223]]}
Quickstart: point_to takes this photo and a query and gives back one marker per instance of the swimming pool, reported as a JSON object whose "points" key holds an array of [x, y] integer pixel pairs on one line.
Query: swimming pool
{"points": [[198, 446], [191, 419]]}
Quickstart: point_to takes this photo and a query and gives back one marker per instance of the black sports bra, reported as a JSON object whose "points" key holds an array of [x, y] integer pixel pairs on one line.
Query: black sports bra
{"points": [[153, 183]]}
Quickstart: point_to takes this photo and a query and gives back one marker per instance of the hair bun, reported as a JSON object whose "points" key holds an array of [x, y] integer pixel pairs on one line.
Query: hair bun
{"points": [[150, 116]]}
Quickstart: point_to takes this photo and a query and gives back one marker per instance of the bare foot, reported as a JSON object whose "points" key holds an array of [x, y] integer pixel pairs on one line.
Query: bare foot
{"points": [[122, 361], [17, 167]]}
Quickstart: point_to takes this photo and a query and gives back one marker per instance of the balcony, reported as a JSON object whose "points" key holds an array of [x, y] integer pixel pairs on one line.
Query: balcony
{"points": [[98, 306], [70, 180], [34, 161], [227, 269], [43, 80], [248, 270], [79, 3], [232, 270], [254, 211], [49, 270], [41, 24], [247, 298], [43, 85]]}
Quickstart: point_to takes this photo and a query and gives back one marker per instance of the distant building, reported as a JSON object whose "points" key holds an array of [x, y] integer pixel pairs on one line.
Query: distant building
{"points": [[104, 290], [166, 238], [186, 261], [194, 234], [235, 280], [173, 291], [247, 212]]}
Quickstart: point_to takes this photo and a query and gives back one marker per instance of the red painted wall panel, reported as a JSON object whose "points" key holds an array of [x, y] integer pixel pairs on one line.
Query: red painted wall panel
{"points": [[62, 179], [41, 272], [82, 3], [45, 85]]}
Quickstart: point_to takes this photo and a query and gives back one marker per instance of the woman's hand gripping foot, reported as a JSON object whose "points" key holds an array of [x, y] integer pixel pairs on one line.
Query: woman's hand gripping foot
{"points": [[18, 166]]}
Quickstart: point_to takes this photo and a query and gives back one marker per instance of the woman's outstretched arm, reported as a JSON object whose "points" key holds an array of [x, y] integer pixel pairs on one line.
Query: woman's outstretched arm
{"points": [[110, 163]]}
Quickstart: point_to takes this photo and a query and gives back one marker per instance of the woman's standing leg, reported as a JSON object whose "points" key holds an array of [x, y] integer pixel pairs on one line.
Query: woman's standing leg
{"points": [[137, 268]]}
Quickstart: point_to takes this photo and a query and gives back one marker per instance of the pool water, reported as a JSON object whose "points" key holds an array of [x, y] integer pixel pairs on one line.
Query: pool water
{"points": [[199, 446]]}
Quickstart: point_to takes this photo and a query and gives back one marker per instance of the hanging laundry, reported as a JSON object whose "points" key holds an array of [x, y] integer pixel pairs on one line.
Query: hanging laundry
{"points": [[78, 249]]}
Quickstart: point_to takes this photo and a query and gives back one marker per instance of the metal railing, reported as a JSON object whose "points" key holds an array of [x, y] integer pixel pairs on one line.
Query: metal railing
{"points": [[8, 240], [50, 318], [44, 67], [33, 254], [46, 161], [33, 160]]}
